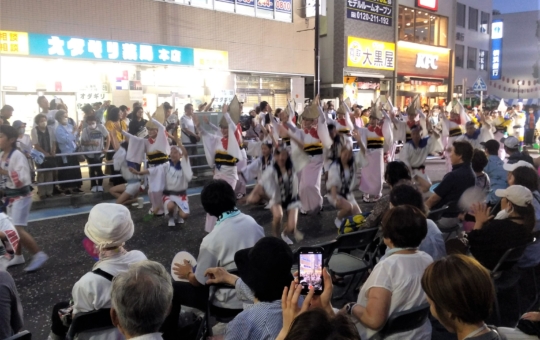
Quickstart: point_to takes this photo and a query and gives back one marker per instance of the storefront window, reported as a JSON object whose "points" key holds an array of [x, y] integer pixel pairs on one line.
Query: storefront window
{"points": [[254, 89], [422, 27]]}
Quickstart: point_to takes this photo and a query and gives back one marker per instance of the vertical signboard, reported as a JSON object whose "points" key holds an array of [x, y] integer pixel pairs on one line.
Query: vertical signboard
{"points": [[496, 49], [374, 11]]}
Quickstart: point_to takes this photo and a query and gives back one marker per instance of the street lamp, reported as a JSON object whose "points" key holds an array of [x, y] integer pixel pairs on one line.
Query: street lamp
{"points": [[519, 83]]}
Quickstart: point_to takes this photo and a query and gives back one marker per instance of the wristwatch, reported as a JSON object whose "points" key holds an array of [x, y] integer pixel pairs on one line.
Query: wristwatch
{"points": [[349, 307]]}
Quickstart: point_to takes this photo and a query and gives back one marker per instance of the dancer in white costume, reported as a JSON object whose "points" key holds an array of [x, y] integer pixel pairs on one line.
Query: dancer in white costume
{"points": [[223, 152], [178, 174], [375, 138], [314, 137], [342, 182], [255, 170], [15, 183], [415, 152], [454, 125]]}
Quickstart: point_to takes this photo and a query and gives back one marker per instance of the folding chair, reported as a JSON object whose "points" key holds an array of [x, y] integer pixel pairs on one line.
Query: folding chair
{"points": [[95, 320], [436, 215], [205, 329], [343, 263], [24, 335], [403, 322]]}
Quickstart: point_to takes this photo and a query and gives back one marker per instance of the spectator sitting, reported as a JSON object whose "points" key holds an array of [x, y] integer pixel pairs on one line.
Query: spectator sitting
{"points": [[494, 170], [11, 313], [66, 135], [511, 146], [394, 284], [478, 163], [454, 184], [236, 231], [92, 141], [512, 227], [109, 226], [522, 173], [137, 125], [264, 271], [433, 243], [461, 293], [140, 300], [396, 172], [44, 141]]}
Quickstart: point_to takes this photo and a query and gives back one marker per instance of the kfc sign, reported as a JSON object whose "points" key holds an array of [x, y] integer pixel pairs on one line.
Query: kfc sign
{"points": [[427, 61], [432, 5]]}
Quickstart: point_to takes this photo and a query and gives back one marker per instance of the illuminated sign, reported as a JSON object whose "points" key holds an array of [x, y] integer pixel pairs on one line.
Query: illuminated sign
{"points": [[432, 5], [427, 61], [372, 54], [14, 43], [217, 60], [496, 49]]}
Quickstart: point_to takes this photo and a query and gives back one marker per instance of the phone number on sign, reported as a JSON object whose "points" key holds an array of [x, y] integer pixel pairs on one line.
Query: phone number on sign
{"points": [[377, 19], [284, 5]]}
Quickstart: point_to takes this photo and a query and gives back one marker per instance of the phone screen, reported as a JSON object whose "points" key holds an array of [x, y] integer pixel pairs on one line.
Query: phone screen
{"points": [[310, 269]]}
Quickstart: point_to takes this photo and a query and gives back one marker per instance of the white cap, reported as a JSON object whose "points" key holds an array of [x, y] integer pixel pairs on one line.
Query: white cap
{"points": [[512, 167], [517, 194], [109, 225], [511, 142]]}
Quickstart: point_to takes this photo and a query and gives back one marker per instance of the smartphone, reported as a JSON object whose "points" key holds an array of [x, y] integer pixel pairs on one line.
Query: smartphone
{"points": [[310, 267]]}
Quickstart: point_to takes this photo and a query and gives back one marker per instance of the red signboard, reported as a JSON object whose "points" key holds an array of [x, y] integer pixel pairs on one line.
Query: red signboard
{"points": [[432, 5]]}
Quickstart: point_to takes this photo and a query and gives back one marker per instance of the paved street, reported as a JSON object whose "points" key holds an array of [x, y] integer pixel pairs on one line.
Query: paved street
{"points": [[61, 239]]}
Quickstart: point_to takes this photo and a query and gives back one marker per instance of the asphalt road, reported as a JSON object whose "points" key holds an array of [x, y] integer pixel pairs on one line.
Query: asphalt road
{"points": [[61, 239]]}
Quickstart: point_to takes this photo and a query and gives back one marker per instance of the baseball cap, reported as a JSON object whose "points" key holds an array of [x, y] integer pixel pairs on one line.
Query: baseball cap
{"points": [[109, 225], [517, 194], [510, 142], [512, 167], [492, 146], [266, 267]]}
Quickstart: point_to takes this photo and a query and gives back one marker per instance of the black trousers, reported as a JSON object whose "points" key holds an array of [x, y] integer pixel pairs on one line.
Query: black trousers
{"points": [[57, 327], [529, 136], [116, 180], [95, 171]]}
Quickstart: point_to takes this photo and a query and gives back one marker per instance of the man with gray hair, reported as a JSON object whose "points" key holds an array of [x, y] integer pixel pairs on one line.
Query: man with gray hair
{"points": [[141, 300]]}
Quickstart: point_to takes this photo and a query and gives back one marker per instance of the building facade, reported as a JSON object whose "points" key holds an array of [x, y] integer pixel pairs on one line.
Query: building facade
{"points": [[152, 51], [516, 39], [472, 48]]}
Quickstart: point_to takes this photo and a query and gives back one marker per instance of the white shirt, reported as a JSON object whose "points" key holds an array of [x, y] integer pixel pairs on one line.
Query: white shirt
{"points": [[186, 123], [219, 247], [401, 274], [414, 156], [19, 171]]}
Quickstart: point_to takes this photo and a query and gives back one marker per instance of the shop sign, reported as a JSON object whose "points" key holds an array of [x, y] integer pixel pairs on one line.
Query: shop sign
{"points": [[374, 11], [92, 94], [371, 54], [421, 60], [432, 5], [107, 50], [496, 49], [217, 60], [14, 43], [266, 5]]}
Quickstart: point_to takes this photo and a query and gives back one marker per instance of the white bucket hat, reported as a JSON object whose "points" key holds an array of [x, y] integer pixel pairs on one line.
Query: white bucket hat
{"points": [[109, 225]]}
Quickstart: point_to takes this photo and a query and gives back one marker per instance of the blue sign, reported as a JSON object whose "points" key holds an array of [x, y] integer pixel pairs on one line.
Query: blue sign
{"points": [[267, 5], [107, 50], [496, 50], [284, 6], [479, 85], [249, 3]]}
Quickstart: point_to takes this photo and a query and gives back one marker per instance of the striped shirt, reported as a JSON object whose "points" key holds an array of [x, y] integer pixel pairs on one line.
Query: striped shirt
{"points": [[261, 321]]}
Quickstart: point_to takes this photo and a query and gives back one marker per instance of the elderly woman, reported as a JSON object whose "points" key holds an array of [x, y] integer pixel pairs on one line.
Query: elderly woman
{"points": [[66, 136], [460, 294], [109, 226], [394, 284]]}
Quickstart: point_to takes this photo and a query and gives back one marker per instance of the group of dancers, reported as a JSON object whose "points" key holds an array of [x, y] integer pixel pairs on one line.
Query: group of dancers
{"points": [[289, 159]]}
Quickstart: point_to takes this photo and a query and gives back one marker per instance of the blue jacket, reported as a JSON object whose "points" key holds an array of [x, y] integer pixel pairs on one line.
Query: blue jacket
{"points": [[497, 176]]}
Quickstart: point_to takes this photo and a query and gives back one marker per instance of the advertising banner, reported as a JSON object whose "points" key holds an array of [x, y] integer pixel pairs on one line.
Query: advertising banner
{"points": [[14, 43], [371, 54], [496, 49], [374, 11]]}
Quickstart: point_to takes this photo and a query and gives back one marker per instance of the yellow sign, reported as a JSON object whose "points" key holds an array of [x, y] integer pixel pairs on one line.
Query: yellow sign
{"points": [[372, 54], [13, 42], [217, 60]]}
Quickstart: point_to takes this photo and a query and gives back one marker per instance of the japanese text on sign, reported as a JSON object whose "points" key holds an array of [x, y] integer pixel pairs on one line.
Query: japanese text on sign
{"points": [[496, 48], [372, 54], [14, 42], [375, 11], [60, 46]]}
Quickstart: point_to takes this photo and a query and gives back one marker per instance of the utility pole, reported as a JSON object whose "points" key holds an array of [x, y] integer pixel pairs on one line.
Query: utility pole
{"points": [[317, 79]]}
